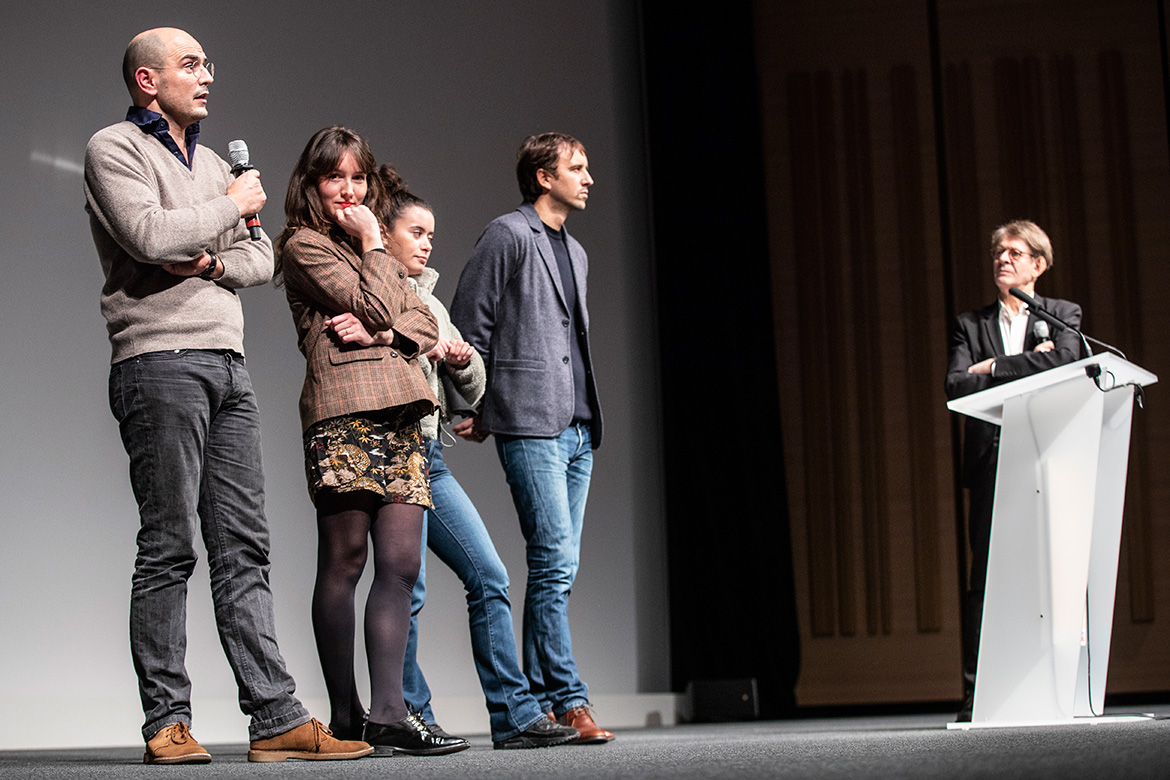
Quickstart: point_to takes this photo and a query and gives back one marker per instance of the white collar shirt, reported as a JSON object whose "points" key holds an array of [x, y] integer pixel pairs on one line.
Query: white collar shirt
{"points": [[1013, 328]]}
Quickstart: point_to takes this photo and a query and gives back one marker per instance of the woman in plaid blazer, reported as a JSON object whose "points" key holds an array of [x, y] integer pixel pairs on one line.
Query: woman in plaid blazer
{"points": [[360, 411]]}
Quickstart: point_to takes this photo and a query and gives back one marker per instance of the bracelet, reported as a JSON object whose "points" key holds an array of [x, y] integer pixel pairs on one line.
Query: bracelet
{"points": [[212, 268]]}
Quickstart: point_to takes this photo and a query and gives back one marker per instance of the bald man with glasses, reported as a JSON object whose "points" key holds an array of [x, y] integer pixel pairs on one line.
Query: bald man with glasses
{"points": [[167, 220]]}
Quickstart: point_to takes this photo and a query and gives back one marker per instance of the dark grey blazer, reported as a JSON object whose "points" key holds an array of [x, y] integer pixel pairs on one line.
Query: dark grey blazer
{"points": [[510, 306], [975, 338]]}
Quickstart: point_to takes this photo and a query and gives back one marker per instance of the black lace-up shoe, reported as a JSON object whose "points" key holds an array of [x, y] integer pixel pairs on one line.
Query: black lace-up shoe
{"points": [[543, 733], [438, 731], [411, 737]]}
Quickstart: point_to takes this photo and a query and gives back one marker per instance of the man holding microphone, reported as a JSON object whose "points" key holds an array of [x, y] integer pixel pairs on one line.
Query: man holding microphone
{"points": [[167, 220]]}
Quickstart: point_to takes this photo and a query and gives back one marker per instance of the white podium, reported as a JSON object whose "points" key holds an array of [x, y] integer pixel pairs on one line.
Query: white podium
{"points": [[1055, 540]]}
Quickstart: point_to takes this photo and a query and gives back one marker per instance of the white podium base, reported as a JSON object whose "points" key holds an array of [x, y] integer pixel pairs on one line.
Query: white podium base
{"points": [[1084, 721], [1055, 541]]}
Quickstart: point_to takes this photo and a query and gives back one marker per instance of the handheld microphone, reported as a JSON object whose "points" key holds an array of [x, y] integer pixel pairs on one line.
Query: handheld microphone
{"points": [[1040, 331], [238, 157]]}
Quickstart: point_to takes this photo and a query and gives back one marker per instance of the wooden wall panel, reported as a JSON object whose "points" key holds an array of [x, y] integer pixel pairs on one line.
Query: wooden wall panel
{"points": [[1067, 128], [1123, 241], [815, 420], [908, 157], [861, 233], [967, 233], [1069, 179], [1090, 158], [853, 213]]}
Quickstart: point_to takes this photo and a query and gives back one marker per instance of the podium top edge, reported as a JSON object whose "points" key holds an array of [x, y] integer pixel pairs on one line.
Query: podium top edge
{"points": [[988, 404]]}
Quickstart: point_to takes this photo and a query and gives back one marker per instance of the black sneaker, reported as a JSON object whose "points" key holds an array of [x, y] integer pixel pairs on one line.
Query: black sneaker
{"points": [[543, 733], [411, 737]]}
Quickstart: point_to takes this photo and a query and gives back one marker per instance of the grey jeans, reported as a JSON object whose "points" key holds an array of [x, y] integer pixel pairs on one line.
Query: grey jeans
{"points": [[189, 422]]}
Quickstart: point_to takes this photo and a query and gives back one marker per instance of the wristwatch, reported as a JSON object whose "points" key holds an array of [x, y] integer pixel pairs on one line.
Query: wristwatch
{"points": [[212, 268]]}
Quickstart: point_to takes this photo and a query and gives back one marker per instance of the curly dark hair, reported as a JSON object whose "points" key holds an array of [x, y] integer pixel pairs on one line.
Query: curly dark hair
{"points": [[395, 197]]}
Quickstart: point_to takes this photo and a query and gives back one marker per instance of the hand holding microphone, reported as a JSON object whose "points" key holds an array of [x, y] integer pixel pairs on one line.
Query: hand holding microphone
{"points": [[246, 191]]}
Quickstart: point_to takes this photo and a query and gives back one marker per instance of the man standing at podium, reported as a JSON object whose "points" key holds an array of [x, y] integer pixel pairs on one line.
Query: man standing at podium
{"points": [[990, 346]]}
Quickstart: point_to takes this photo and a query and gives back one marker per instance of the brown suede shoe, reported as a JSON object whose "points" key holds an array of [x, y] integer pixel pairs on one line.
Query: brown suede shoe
{"points": [[174, 744], [309, 742], [580, 719]]}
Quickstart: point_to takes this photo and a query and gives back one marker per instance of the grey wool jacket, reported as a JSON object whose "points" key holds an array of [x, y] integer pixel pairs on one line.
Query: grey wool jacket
{"points": [[511, 307], [147, 209], [469, 380]]}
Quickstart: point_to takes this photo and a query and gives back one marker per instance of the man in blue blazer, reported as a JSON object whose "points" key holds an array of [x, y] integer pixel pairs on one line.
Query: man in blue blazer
{"points": [[521, 303], [990, 346]]}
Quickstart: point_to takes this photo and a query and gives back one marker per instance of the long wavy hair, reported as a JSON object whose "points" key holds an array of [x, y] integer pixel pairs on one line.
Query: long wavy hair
{"points": [[322, 155]]}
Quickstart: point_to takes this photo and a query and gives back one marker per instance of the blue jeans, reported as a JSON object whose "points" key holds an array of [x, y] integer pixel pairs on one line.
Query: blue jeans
{"points": [[190, 425], [549, 479], [456, 533]]}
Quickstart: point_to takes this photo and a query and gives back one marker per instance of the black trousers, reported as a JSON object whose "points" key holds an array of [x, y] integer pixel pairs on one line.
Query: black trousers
{"points": [[982, 498]]}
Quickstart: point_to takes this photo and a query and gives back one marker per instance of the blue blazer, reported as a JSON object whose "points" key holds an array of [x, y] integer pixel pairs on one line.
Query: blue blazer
{"points": [[510, 306]]}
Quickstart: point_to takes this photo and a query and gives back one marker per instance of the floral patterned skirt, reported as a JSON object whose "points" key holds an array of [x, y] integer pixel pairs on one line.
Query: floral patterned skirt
{"points": [[382, 452]]}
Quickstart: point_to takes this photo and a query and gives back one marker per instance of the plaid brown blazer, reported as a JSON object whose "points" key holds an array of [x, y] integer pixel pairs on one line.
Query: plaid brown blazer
{"points": [[323, 278]]}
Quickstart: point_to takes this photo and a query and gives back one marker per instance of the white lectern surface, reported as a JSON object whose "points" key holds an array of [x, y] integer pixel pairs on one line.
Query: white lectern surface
{"points": [[1055, 539]]}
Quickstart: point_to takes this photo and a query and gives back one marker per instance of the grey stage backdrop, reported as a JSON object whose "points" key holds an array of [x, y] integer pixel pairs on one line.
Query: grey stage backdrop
{"points": [[444, 90]]}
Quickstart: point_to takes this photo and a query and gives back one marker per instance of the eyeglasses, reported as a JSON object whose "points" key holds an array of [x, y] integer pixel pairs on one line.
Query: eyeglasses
{"points": [[1013, 254], [192, 68]]}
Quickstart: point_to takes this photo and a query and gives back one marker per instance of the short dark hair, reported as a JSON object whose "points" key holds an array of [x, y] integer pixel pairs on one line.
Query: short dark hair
{"points": [[322, 155], [541, 152]]}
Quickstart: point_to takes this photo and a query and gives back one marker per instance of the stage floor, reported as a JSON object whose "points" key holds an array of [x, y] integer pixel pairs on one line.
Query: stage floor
{"points": [[900, 746]]}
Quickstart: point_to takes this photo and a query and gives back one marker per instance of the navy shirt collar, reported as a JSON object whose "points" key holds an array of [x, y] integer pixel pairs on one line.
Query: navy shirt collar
{"points": [[153, 123]]}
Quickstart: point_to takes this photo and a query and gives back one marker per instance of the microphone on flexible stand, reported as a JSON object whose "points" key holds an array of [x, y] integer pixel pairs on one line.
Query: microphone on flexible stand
{"points": [[1093, 371], [1053, 320], [238, 157]]}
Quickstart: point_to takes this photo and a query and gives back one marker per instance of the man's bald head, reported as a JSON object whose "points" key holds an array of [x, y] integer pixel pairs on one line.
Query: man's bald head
{"points": [[145, 49], [167, 71], [148, 49]]}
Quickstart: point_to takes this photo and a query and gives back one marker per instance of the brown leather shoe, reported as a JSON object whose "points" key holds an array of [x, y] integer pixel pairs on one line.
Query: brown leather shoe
{"points": [[174, 744], [581, 719], [309, 742]]}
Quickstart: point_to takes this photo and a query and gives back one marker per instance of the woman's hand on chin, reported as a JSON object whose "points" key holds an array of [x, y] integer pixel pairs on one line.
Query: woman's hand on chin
{"points": [[361, 223]]}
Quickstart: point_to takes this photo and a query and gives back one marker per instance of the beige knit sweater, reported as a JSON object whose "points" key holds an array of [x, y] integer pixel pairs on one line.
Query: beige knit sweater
{"points": [[146, 209]]}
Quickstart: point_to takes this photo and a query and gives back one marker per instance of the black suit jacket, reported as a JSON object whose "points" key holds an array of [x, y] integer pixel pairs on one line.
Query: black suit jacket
{"points": [[975, 338]]}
